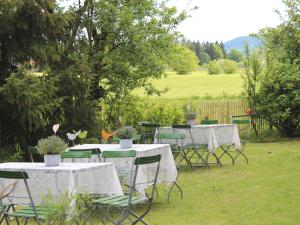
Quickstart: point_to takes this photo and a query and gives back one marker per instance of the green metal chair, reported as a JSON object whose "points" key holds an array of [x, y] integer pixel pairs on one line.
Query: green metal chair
{"points": [[192, 147], [240, 152], [125, 176], [76, 155], [32, 151], [128, 203], [209, 122], [177, 150], [26, 212], [148, 131], [94, 151]]}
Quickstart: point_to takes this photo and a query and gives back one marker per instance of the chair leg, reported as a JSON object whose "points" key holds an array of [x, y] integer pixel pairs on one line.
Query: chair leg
{"points": [[225, 151], [217, 159], [174, 183], [242, 154]]}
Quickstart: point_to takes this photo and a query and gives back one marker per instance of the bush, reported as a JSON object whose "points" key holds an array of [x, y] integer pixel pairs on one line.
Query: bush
{"points": [[214, 67], [230, 67], [164, 114]]}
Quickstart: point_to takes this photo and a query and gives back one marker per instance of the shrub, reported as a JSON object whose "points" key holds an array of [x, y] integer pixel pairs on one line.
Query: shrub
{"points": [[230, 67], [51, 145], [214, 67], [164, 114]]}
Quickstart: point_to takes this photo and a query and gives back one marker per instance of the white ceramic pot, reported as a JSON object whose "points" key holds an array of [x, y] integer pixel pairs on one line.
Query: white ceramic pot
{"points": [[52, 160], [191, 122], [125, 143]]}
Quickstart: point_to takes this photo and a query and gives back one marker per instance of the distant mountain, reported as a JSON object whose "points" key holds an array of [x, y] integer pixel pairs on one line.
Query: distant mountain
{"points": [[239, 43]]}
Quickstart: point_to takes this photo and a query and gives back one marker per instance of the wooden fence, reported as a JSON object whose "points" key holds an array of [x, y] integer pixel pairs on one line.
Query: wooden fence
{"points": [[224, 110]]}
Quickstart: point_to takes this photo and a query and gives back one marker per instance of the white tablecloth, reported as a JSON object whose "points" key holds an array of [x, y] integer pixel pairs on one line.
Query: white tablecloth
{"points": [[167, 173], [93, 178], [212, 135]]}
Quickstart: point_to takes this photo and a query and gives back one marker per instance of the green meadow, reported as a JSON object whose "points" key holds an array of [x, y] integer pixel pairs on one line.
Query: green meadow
{"points": [[198, 85]]}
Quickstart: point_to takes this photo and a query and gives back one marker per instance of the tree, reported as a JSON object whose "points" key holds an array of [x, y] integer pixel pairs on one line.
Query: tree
{"points": [[29, 29], [183, 60], [278, 98], [235, 55], [95, 50]]}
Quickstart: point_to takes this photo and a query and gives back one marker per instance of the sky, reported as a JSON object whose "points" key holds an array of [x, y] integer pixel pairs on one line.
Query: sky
{"points": [[223, 20]]}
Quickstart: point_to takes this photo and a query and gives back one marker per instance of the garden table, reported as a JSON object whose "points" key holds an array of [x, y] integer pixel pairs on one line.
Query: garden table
{"points": [[213, 136], [167, 173], [70, 178]]}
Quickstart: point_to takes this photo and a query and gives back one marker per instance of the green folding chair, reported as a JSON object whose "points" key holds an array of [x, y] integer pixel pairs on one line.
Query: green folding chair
{"points": [[148, 131], [125, 176], [32, 151], [26, 212], [76, 155], [191, 147], [209, 122], [94, 151], [240, 151], [127, 204]]}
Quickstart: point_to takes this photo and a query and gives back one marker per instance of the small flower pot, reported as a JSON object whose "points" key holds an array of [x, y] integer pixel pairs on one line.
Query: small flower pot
{"points": [[191, 122], [125, 143], [52, 160]]}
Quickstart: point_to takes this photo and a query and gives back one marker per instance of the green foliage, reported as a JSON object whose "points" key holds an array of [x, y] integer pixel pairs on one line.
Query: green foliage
{"points": [[214, 67], [230, 67], [51, 145], [164, 114], [92, 51], [126, 132], [279, 96], [183, 60], [28, 107], [235, 55], [59, 212], [29, 29], [253, 72]]}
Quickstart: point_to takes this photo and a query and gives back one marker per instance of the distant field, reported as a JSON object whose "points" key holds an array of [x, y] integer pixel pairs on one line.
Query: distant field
{"points": [[199, 85]]}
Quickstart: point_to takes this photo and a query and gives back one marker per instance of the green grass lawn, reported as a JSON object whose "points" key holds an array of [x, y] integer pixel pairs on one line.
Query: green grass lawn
{"points": [[199, 85], [264, 192]]}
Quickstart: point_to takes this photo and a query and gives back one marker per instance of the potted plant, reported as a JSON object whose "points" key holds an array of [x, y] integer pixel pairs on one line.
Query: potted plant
{"points": [[51, 147], [125, 134], [190, 118]]}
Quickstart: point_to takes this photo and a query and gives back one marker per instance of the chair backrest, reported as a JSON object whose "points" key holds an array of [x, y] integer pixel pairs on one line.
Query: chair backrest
{"points": [[32, 150], [140, 161], [148, 131], [76, 155], [244, 121], [209, 122], [118, 154], [94, 151], [181, 126], [20, 175], [170, 136]]}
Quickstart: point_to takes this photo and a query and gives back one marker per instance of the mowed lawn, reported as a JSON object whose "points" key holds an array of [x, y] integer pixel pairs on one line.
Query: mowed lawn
{"points": [[198, 84], [264, 192]]}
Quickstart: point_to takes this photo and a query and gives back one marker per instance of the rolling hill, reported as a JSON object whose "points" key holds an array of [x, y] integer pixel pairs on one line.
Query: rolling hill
{"points": [[239, 42]]}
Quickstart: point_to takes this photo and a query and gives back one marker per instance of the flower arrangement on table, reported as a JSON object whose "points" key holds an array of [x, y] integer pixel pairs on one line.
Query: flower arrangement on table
{"points": [[125, 134], [51, 147]]}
